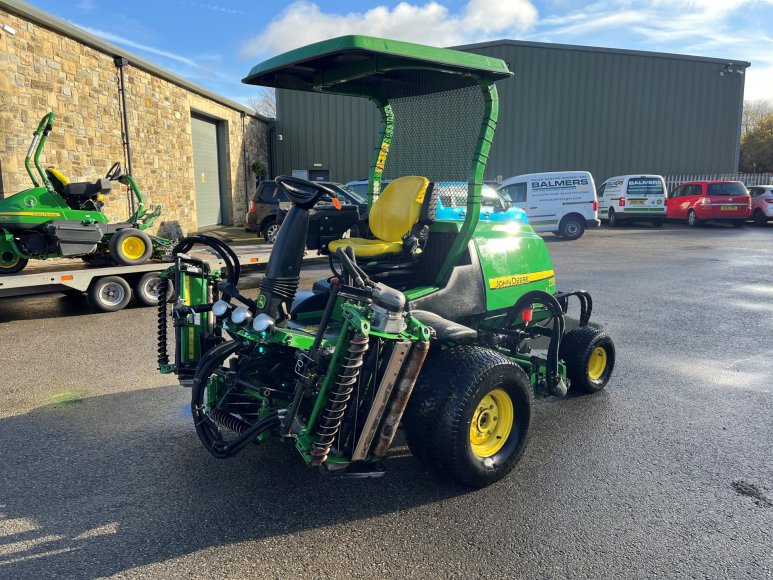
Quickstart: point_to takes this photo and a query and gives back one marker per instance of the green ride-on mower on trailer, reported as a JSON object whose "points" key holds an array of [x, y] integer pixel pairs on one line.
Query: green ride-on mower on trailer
{"points": [[423, 323], [59, 219]]}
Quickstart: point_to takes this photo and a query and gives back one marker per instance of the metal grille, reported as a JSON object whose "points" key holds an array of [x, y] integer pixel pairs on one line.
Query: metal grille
{"points": [[435, 136]]}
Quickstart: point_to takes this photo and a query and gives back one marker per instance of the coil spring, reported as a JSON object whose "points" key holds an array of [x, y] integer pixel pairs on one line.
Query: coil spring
{"points": [[340, 394], [229, 421], [163, 352]]}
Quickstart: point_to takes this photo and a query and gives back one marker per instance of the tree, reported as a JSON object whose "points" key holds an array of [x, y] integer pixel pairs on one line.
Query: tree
{"points": [[264, 102], [753, 114], [757, 147]]}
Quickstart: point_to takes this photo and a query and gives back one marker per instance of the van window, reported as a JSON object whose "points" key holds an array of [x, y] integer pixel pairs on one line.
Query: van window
{"points": [[600, 192], [730, 188], [516, 192], [645, 186]]}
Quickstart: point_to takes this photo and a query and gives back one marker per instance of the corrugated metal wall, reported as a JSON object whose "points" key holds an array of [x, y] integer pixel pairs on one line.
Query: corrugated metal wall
{"points": [[609, 112]]}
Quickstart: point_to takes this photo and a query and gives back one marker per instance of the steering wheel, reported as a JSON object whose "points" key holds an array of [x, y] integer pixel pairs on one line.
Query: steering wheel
{"points": [[304, 193], [114, 172]]}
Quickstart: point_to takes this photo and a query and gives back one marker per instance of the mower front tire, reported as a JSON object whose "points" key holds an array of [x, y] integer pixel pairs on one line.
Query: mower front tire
{"points": [[130, 247], [109, 294], [589, 355], [469, 415]]}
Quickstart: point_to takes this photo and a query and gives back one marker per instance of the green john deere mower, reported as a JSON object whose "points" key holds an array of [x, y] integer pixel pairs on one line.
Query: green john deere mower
{"points": [[432, 325], [60, 219]]}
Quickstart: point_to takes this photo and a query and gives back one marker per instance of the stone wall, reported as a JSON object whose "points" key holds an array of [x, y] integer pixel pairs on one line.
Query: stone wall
{"points": [[42, 70]]}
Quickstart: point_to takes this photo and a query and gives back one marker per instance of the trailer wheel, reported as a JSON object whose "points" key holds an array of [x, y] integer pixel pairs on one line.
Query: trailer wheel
{"points": [[146, 289], [10, 263], [469, 415], [130, 247], [109, 294], [589, 355], [571, 227]]}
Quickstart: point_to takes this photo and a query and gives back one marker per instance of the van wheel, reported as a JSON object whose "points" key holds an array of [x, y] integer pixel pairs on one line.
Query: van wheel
{"points": [[760, 219], [571, 227], [692, 219], [613, 221]]}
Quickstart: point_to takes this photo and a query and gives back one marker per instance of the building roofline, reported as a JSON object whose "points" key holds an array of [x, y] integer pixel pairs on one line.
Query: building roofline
{"points": [[48, 20], [582, 48]]}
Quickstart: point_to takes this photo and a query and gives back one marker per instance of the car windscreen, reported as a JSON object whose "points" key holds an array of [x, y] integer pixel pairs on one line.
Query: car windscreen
{"points": [[645, 186], [729, 188], [359, 188], [356, 194]]}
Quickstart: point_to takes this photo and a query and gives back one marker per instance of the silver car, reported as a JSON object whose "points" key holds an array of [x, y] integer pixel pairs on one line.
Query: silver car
{"points": [[762, 204]]}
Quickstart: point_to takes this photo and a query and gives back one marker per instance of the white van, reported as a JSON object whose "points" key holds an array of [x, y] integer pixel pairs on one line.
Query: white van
{"points": [[562, 202], [628, 198]]}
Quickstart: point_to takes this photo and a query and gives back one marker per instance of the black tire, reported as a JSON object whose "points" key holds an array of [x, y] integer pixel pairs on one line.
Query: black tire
{"points": [[657, 223], [444, 403], [270, 230], [739, 223], [571, 227], [130, 247], [11, 263], [692, 219], [612, 219], [109, 294], [146, 289], [578, 347], [760, 219]]}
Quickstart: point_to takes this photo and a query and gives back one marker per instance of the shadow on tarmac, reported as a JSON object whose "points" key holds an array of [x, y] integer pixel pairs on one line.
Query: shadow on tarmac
{"points": [[96, 486]]}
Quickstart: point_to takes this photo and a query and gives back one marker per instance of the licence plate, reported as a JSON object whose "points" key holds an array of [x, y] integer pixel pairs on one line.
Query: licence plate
{"points": [[727, 208], [636, 201]]}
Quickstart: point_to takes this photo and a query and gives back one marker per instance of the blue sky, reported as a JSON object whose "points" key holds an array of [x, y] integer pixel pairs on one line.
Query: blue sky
{"points": [[215, 42]]}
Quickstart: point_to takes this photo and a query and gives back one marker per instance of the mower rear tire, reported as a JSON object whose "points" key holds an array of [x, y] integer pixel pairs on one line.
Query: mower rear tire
{"points": [[589, 355], [146, 289], [11, 263], [109, 294], [130, 247], [469, 415]]}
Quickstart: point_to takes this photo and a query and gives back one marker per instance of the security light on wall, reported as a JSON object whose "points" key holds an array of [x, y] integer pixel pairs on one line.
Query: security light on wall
{"points": [[731, 69], [9, 29]]}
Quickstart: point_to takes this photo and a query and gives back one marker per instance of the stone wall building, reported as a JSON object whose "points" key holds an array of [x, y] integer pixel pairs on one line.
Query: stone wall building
{"points": [[47, 65]]}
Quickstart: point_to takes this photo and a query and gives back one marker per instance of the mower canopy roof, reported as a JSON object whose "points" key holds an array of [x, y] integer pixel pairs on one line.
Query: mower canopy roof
{"points": [[376, 68]]}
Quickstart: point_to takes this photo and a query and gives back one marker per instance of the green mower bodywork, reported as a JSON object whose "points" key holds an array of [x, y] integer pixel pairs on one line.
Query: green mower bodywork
{"points": [[449, 329], [56, 218]]}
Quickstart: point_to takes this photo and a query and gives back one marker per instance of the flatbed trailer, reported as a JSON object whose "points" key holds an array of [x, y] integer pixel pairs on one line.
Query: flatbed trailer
{"points": [[109, 288]]}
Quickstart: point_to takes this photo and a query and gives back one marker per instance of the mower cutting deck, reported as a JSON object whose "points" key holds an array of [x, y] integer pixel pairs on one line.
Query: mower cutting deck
{"points": [[425, 323]]}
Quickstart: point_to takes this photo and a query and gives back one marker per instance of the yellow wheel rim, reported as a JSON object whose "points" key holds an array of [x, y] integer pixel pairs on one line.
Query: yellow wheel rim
{"points": [[491, 423], [133, 247], [597, 363], [11, 264]]}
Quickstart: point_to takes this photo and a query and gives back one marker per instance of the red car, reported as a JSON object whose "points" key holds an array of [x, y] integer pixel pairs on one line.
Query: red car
{"points": [[700, 201]]}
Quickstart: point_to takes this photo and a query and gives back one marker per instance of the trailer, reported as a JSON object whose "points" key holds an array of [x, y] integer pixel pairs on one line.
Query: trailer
{"points": [[110, 288]]}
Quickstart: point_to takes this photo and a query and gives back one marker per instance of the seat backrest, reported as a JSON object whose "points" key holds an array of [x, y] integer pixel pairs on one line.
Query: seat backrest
{"points": [[398, 208], [57, 179]]}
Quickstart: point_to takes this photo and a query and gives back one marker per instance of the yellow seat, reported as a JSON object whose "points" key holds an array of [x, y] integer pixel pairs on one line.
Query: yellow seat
{"points": [[57, 179], [393, 214]]}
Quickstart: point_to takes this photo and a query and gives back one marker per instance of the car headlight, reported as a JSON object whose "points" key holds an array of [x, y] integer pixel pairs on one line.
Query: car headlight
{"points": [[220, 308], [241, 316], [263, 323]]}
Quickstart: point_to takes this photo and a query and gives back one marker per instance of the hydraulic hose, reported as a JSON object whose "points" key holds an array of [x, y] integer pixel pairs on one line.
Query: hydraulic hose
{"points": [[226, 253], [207, 424]]}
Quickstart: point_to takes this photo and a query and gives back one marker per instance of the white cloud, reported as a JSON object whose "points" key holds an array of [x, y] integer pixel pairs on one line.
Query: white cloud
{"points": [[304, 22], [759, 84]]}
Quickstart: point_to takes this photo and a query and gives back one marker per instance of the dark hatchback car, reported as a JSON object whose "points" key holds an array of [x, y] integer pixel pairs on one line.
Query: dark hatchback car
{"points": [[269, 205]]}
